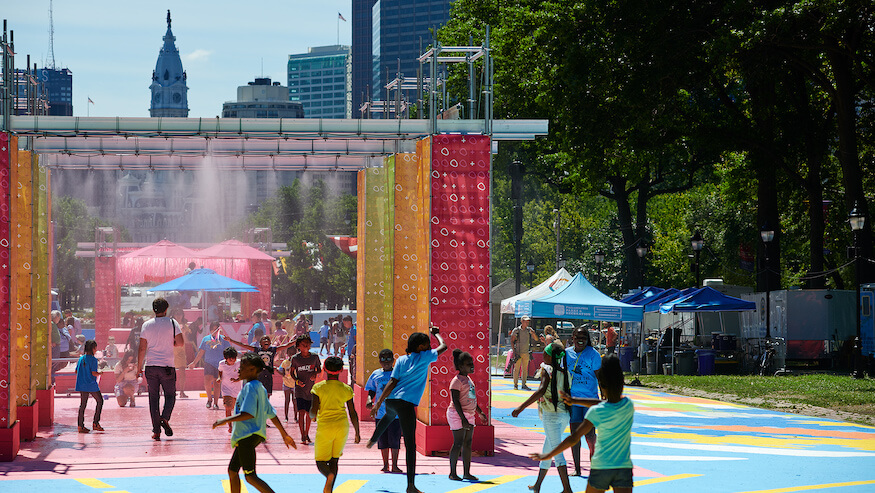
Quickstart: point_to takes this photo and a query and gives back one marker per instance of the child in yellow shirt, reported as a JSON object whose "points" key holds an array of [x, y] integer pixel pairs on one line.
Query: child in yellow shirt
{"points": [[329, 397]]}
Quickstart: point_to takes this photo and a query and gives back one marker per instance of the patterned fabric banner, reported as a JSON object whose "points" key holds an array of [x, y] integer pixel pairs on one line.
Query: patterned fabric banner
{"points": [[411, 266], [21, 255], [8, 377], [460, 185], [371, 308], [41, 350], [388, 260], [361, 234]]}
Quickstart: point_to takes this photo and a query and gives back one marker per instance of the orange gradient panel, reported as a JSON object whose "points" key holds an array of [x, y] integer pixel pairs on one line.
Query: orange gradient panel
{"points": [[21, 256]]}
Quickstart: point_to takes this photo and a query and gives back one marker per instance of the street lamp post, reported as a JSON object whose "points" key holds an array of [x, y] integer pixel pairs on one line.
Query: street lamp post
{"points": [[560, 264], [531, 268], [599, 260], [641, 250], [767, 234], [697, 243], [858, 221]]}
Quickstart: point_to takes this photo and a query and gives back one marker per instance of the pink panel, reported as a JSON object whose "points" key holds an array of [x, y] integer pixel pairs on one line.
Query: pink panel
{"points": [[460, 183], [7, 378]]}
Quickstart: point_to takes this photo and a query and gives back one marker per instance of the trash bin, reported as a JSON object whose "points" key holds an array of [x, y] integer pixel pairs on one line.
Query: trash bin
{"points": [[684, 364], [666, 368], [706, 361], [626, 355], [651, 362]]}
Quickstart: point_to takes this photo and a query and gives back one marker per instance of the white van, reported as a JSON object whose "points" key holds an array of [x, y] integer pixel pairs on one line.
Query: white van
{"points": [[316, 317]]}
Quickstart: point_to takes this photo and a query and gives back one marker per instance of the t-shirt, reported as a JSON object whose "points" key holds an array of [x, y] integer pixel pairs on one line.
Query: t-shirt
{"points": [[467, 393], [85, 380], [524, 339], [65, 339], [228, 372], [350, 340], [302, 326], [323, 331], [377, 382], [253, 400], [333, 395], [613, 421], [267, 355], [159, 332], [581, 370], [411, 371], [304, 369], [256, 327], [213, 348]]}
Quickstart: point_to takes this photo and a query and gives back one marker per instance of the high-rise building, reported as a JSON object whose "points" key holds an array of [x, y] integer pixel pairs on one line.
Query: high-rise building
{"points": [[58, 89], [320, 80], [169, 88], [362, 53], [261, 99], [399, 30]]}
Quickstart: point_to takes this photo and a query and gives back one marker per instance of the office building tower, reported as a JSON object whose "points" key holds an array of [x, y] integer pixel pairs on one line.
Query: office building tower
{"points": [[261, 99], [58, 90], [320, 80], [362, 53]]}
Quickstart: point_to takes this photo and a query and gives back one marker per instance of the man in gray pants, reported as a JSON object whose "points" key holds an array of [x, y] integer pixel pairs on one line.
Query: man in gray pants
{"points": [[157, 339]]}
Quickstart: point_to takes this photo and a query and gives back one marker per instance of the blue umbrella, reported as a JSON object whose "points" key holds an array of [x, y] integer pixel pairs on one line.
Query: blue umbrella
{"points": [[205, 280]]}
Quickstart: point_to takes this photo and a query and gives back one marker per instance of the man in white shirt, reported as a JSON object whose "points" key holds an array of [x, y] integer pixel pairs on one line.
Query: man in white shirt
{"points": [[77, 324], [157, 339]]}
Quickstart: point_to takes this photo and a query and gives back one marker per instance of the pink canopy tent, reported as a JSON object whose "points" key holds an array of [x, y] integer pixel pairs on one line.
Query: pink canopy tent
{"points": [[160, 262], [347, 244], [240, 261]]}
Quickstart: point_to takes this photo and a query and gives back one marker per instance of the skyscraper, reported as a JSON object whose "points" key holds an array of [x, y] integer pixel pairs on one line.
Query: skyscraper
{"points": [[169, 88], [362, 53], [320, 80], [58, 84], [398, 30], [261, 99]]}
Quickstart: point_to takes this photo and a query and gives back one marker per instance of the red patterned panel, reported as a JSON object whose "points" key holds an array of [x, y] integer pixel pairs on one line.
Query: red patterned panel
{"points": [[460, 182], [8, 146]]}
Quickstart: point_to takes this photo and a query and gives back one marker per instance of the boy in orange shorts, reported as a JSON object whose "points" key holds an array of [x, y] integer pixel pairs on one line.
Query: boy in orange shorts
{"points": [[332, 430]]}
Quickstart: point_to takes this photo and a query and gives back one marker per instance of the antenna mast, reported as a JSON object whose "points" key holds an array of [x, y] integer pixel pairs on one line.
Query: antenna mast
{"points": [[51, 62]]}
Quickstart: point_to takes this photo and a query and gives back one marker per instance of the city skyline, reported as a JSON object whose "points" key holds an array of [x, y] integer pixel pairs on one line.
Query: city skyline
{"points": [[111, 48]]}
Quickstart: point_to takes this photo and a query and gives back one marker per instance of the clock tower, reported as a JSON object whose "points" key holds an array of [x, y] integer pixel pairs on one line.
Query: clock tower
{"points": [[169, 88]]}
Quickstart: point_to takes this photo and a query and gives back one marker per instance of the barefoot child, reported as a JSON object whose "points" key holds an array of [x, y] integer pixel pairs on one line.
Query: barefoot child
{"points": [[391, 440], [329, 397], [611, 463], [86, 385], [251, 412], [229, 380], [460, 414], [285, 370], [403, 393], [552, 411], [305, 367]]}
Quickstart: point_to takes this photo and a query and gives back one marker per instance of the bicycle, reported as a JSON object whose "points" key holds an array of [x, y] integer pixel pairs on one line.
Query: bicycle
{"points": [[769, 355]]}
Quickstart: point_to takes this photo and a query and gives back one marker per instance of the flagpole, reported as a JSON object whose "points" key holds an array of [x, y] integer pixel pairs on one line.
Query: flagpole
{"points": [[338, 29], [88, 107]]}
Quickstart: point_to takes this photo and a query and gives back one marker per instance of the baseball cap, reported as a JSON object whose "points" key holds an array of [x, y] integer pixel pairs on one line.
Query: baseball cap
{"points": [[526, 317]]}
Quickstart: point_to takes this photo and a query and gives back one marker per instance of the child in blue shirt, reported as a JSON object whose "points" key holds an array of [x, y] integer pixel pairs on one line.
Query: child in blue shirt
{"points": [[403, 393], [391, 439], [251, 412], [611, 465], [86, 385]]}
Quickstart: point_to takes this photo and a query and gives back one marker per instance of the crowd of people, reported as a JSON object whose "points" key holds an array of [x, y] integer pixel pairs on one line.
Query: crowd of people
{"points": [[578, 388]]}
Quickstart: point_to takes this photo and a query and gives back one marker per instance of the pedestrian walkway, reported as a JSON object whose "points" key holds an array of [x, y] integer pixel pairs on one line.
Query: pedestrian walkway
{"points": [[678, 444]]}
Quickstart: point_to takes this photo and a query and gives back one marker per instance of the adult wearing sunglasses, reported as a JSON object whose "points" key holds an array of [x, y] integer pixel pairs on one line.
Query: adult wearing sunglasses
{"points": [[583, 363]]}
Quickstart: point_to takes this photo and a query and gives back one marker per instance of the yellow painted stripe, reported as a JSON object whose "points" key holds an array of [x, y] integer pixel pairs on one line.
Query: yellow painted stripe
{"points": [[226, 485], [485, 485], [814, 487], [645, 482], [350, 486], [94, 483]]}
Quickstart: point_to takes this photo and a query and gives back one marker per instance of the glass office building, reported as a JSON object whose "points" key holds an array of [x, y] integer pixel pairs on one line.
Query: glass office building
{"points": [[321, 81]]}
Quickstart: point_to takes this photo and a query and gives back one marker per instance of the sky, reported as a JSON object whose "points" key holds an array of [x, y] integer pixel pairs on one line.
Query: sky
{"points": [[111, 46]]}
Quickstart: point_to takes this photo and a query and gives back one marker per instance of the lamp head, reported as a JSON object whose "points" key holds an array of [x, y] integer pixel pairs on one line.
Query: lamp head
{"points": [[599, 257], [697, 242], [856, 218]]}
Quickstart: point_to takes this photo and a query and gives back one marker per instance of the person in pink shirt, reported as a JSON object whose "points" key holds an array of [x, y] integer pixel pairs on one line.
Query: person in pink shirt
{"points": [[460, 415]]}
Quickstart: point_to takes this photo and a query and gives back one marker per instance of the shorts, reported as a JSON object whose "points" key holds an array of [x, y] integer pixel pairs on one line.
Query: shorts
{"points": [[607, 478], [330, 439], [229, 400], [324, 341], [266, 379], [244, 454], [391, 438], [455, 421], [210, 370], [303, 404], [179, 360]]}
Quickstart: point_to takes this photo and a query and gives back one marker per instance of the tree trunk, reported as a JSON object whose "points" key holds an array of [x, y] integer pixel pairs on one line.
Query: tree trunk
{"points": [[624, 216]]}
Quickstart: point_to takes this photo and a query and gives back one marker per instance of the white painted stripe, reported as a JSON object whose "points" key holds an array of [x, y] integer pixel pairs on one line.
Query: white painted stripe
{"points": [[673, 458]]}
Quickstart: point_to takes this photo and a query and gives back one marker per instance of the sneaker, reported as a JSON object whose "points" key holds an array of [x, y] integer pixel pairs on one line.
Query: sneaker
{"points": [[97, 427], [83, 429], [166, 426], [209, 404], [156, 437], [516, 387], [183, 395], [525, 387]]}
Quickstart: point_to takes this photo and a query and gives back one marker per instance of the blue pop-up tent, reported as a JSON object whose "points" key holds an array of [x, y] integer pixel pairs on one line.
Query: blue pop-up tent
{"points": [[579, 300], [706, 300]]}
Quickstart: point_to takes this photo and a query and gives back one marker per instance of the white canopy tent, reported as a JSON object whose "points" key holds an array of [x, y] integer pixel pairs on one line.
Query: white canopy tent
{"points": [[552, 284]]}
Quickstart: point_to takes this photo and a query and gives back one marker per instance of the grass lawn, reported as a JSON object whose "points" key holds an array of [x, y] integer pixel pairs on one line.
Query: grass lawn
{"points": [[841, 397]]}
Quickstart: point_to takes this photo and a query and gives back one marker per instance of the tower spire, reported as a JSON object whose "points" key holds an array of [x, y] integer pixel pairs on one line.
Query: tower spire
{"points": [[168, 18]]}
